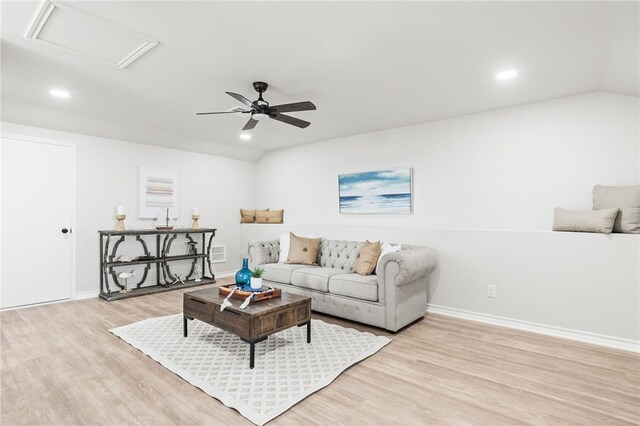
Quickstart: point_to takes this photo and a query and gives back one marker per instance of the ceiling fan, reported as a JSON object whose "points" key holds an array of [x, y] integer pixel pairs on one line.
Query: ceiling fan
{"points": [[260, 109]]}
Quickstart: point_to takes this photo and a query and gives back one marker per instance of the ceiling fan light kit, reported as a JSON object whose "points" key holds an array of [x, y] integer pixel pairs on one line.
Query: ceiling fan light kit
{"points": [[260, 109]]}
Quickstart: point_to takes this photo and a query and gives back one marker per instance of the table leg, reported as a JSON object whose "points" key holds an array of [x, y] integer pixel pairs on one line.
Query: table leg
{"points": [[184, 325], [252, 349], [308, 324]]}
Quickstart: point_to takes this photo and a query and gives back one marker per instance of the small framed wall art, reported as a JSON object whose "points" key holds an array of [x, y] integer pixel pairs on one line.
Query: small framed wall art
{"points": [[158, 189], [388, 191]]}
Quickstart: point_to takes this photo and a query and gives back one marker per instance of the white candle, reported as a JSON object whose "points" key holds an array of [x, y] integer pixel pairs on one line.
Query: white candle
{"points": [[195, 211], [119, 210]]}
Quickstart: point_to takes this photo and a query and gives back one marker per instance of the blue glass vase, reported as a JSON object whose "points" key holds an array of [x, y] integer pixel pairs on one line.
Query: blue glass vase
{"points": [[243, 276]]}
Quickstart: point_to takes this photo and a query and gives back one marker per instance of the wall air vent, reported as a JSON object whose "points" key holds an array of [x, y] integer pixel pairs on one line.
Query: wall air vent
{"points": [[74, 31], [218, 253]]}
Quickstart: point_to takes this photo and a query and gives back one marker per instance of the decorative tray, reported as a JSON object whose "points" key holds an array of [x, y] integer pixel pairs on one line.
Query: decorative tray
{"points": [[258, 296]]}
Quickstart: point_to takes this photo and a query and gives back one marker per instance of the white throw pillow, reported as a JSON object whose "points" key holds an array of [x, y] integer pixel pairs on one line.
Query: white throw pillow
{"points": [[285, 243], [386, 249]]}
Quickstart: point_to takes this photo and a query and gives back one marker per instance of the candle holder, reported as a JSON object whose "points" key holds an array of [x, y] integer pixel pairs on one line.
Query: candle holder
{"points": [[195, 224], [120, 225]]}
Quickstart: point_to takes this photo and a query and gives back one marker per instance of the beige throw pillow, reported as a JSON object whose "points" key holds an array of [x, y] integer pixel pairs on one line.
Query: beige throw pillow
{"points": [[303, 250], [367, 258], [584, 221], [625, 198], [269, 216], [247, 216]]}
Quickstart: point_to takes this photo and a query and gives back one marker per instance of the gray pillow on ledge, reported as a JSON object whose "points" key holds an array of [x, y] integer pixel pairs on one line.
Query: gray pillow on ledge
{"points": [[625, 198], [600, 221]]}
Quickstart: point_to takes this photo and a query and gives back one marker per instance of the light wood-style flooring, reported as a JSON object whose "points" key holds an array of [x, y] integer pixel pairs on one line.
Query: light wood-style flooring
{"points": [[60, 366]]}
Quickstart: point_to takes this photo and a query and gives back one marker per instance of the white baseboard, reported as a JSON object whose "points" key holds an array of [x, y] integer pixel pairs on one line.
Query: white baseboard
{"points": [[77, 296], [85, 295], [94, 293], [548, 330]]}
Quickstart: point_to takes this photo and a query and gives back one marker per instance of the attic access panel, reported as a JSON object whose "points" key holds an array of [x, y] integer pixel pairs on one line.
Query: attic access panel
{"points": [[79, 33]]}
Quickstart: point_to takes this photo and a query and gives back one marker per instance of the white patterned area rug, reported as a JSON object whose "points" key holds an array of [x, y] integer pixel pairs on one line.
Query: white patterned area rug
{"points": [[287, 368]]}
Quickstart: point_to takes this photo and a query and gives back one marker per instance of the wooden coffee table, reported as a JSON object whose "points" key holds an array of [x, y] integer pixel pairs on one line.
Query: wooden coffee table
{"points": [[252, 324]]}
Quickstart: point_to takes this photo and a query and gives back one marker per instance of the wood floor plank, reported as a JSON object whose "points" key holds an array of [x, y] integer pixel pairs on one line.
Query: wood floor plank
{"points": [[59, 365]]}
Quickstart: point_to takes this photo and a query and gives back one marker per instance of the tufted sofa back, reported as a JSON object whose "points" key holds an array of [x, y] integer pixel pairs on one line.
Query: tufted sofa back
{"points": [[338, 254], [269, 251], [331, 253]]}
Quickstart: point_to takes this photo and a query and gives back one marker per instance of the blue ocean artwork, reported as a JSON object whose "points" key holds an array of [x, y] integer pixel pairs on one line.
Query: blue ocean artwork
{"points": [[381, 192]]}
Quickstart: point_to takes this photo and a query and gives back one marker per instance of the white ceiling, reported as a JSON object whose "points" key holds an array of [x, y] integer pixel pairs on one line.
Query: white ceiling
{"points": [[367, 66]]}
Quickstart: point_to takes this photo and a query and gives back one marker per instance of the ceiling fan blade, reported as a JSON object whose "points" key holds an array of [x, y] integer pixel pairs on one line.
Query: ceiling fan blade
{"points": [[291, 120], [220, 112], [250, 124], [242, 99], [298, 106]]}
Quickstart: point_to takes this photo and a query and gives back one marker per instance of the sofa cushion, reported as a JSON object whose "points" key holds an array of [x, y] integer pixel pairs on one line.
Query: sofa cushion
{"points": [[303, 250], [279, 272], [363, 287], [314, 278]]}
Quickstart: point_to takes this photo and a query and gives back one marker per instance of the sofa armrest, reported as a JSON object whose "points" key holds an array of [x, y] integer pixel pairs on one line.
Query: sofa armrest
{"points": [[261, 252], [413, 264]]}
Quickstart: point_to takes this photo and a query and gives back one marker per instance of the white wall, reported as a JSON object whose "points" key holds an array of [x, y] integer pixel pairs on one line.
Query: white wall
{"points": [[482, 183], [576, 284], [505, 169], [107, 176]]}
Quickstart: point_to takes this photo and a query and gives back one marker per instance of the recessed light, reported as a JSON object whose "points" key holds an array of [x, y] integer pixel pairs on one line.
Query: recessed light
{"points": [[245, 136], [59, 93], [505, 75]]}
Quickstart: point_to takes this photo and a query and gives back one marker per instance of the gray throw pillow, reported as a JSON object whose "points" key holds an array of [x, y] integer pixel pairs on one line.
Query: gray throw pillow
{"points": [[625, 198], [584, 221]]}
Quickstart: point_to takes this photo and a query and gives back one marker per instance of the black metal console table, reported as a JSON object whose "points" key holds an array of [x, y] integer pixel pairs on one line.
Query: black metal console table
{"points": [[166, 280]]}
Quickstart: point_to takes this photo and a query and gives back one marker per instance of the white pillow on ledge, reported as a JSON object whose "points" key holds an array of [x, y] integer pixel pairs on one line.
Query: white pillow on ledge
{"points": [[601, 221]]}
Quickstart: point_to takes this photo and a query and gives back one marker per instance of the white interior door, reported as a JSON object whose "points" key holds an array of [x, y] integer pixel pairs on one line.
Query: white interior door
{"points": [[37, 207]]}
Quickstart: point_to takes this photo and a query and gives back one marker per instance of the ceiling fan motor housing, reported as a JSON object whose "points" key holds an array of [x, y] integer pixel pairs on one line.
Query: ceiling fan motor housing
{"points": [[260, 86]]}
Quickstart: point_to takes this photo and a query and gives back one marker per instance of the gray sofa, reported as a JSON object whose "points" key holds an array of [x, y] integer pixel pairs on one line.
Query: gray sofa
{"points": [[391, 299]]}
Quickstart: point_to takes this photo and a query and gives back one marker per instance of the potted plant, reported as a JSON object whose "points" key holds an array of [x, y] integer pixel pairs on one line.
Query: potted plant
{"points": [[256, 278]]}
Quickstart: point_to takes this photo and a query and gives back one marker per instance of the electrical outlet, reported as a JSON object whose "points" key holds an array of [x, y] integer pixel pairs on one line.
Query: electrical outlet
{"points": [[491, 290]]}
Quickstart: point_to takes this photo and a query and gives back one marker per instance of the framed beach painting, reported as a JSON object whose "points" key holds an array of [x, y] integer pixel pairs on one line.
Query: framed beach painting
{"points": [[158, 190], [386, 191]]}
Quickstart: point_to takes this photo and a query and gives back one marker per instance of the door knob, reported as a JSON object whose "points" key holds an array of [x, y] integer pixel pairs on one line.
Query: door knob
{"points": [[64, 230]]}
